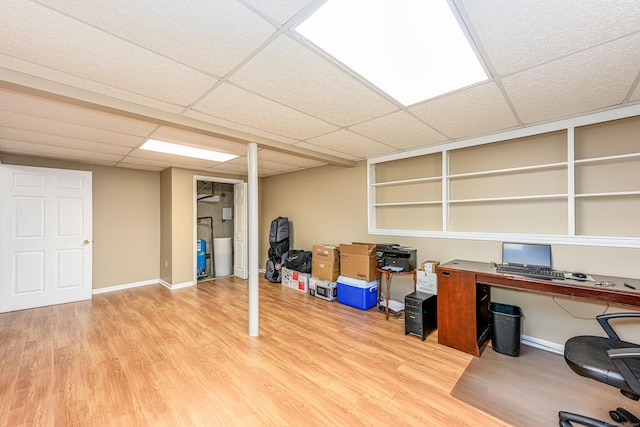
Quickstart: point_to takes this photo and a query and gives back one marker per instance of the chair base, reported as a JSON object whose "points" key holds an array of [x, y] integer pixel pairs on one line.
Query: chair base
{"points": [[620, 415]]}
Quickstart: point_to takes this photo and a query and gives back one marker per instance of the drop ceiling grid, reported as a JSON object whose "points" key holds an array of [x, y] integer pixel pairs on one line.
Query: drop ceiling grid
{"points": [[70, 114], [345, 141], [580, 83], [531, 33], [279, 10], [239, 106], [293, 75], [29, 136], [56, 129], [40, 150], [400, 130], [63, 44], [211, 36], [477, 110]]}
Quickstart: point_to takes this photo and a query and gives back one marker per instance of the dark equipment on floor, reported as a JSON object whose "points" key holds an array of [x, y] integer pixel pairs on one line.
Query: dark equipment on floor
{"points": [[278, 249], [420, 314], [608, 360]]}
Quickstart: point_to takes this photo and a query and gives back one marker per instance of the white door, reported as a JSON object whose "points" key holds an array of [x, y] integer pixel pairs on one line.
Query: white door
{"points": [[241, 269], [46, 231]]}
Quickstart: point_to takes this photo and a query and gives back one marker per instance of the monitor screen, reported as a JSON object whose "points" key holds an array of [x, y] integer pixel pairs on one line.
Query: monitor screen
{"points": [[526, 254]]}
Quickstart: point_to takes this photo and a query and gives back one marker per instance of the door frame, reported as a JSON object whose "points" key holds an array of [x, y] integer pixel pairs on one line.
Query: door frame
{"points": [[197, 178]]}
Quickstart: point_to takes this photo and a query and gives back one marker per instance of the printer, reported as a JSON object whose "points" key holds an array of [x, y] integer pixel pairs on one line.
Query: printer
{"points": [[395, 257]]}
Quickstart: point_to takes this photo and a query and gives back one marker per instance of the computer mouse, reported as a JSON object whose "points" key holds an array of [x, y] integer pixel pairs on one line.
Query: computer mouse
{"points": [[579, 275]]}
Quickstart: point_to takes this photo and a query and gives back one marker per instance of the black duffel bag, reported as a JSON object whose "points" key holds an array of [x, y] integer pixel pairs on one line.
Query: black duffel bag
{"points": [[299, 260]]}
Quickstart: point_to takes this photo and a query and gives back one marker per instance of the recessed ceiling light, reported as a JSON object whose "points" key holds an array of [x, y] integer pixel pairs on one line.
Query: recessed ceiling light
{"points": [[412, 50], [183, 150]]}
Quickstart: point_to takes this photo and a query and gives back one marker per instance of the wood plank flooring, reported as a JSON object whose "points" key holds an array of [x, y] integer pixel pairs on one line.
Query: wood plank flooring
{"points": [[151, 356]]}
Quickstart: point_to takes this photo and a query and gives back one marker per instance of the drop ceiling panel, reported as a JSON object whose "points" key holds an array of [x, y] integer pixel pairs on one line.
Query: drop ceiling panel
{"points": [[279, 10], [520, 34], [239, 106], [53, 141], [264, 164], [211, 36], [242, 127], [293, 75], [287, 159], [399, 130], [584, 82], [60, 130], [61, 112], [60, 43], [41, 150], [475, 111], [324, 150], [179, 136], [347, 142], [635, 97]]}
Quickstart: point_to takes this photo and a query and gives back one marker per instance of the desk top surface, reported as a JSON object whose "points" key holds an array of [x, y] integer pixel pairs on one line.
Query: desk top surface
{"points": [[580, 288]]}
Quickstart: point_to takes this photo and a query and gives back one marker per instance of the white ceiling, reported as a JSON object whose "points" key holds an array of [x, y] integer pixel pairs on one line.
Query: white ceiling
{"points": [[90, 80]]}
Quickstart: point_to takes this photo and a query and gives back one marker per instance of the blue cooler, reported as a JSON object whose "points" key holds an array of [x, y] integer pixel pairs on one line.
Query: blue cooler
{"points": [[357, 293]]}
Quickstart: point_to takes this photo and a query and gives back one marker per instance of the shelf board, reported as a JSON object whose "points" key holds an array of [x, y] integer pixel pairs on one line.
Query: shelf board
{"points": [[508, 170], [407, 181], [609, 194], [609, 158], [511, 198], [435, 202]]}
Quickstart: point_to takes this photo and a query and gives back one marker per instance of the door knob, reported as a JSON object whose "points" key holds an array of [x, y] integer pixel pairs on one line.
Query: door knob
{"points": [[86, 242]]}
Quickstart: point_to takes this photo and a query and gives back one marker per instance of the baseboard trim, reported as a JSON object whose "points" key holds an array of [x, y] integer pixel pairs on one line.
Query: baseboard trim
{"points": [[174, 287], [542, 344], [125, 286]]}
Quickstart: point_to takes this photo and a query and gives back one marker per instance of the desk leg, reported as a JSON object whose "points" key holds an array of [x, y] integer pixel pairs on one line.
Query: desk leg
{"points": [[415, 279], [386, 295]]}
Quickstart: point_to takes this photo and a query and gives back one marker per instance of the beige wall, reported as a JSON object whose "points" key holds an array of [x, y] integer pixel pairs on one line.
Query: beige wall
{"points": [[329, 205], [126, 221]]}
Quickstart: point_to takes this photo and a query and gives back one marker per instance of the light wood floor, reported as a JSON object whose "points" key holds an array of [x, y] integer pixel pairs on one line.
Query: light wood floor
{"points": [[151, 356]]}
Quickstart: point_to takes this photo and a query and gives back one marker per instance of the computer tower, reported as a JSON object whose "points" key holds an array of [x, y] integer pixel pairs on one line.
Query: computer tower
{"points": [[420, 314]]}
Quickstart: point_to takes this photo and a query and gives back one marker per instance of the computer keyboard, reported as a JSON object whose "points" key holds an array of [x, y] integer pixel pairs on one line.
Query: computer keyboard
{"points": [[541, 273]]}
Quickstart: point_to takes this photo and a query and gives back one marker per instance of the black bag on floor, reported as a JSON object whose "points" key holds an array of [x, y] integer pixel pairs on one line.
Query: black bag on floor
{"points": [[278, 250], [299, 260]]}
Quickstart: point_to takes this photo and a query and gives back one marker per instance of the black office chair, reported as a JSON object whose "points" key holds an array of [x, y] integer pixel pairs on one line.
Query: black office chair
{"points": [[610, 361]]}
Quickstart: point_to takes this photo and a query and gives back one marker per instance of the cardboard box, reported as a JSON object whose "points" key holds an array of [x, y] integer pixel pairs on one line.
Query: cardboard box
{"points": [[295, 280], [358, 261], [325, 270], [328, 253], [429, 266], [323, 289], [357, 293], [427, 282]]}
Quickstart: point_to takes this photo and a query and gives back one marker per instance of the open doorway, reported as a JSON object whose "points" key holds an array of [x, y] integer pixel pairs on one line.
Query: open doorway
{"points": [[219, 228]]}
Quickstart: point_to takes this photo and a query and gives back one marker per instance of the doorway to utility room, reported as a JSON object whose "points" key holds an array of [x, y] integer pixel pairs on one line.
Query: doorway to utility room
{"points": [[215, 229]]}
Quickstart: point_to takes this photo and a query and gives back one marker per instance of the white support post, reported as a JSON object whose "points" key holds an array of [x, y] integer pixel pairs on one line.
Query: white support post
{"points": [[252, 202]]}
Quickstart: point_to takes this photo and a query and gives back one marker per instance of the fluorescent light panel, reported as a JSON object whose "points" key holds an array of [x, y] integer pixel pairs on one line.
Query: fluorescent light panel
{"points": [[411, 49], [183, 150]]}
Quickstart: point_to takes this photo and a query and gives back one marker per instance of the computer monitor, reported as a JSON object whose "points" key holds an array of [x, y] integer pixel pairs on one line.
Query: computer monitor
{"points": [[526, 254]]}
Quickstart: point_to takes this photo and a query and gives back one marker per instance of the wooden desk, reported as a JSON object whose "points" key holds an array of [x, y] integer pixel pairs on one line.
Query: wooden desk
{"points": [[388, 274], [464, 293]]}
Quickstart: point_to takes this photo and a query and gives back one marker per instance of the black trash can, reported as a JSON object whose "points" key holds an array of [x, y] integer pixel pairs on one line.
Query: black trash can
{"points": [[505, 321]]}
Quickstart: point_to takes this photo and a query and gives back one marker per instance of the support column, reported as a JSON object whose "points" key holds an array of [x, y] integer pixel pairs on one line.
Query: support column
{"points": [[254, 315]]}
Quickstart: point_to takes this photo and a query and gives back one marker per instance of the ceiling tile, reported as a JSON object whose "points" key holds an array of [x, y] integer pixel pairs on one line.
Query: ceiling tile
{"points": [[242, 127], [60, 43], [477, 110], [41, 150], [61, 141], [264, 164], [324, 150], [584, 82], [179, 136], [211, 36], [520, 34], [279, 10], [399, 130], [61, 130], [234, 169], [287, 159], [347, 142], [59, 111], [239, 106], [293, 75]]}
